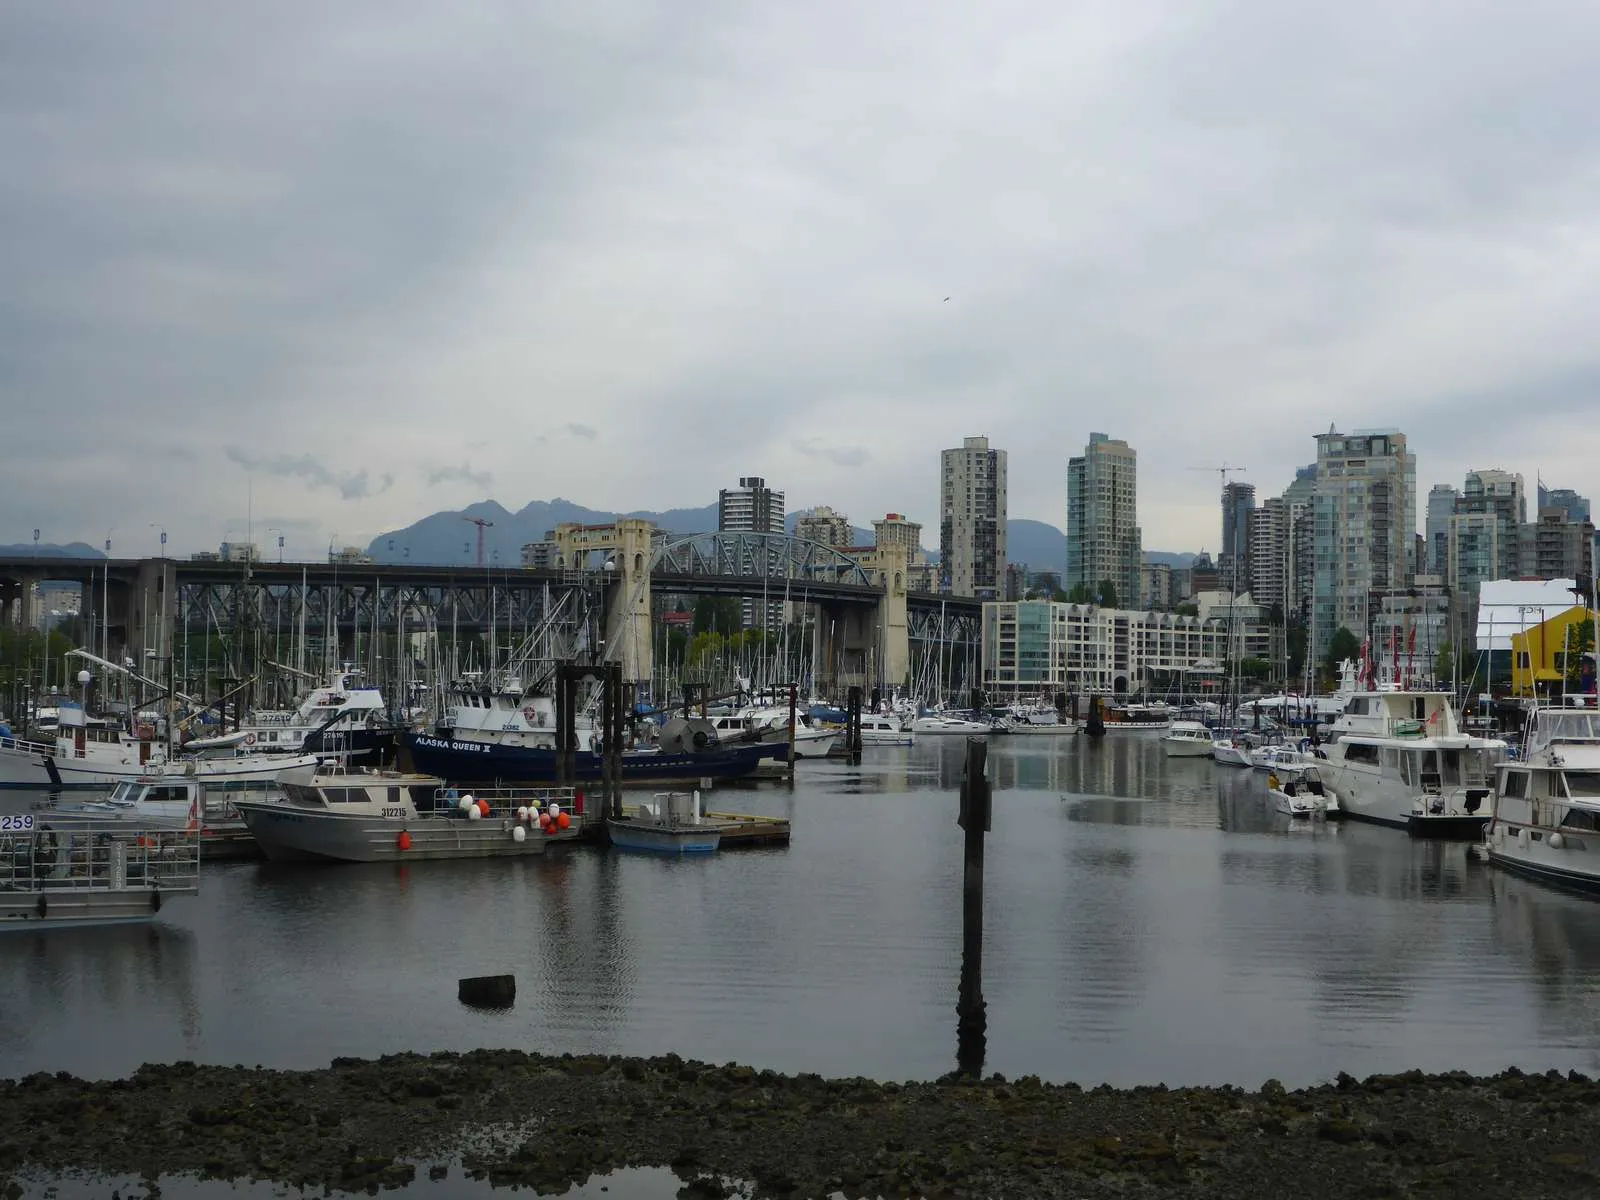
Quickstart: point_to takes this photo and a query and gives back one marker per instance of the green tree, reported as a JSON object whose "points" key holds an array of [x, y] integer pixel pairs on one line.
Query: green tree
{"points": [[1080, 593], [1342, 645], [1255, 668], [1187, 610], [719, 614], [1108, 594], [1578, 642]]}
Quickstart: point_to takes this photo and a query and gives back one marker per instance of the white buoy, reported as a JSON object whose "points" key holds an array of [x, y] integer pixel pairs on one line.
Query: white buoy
{"points": [[555, 810], [519, 834], [474, 813], [522, 813], [466, 803], [1556, 841]]}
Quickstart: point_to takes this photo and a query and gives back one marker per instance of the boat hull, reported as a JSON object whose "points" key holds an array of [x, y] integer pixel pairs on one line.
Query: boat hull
{"points": [[1544, 872], [1184, 748], [285, 833], [1453, 827], [626, 834], [484, 762]]}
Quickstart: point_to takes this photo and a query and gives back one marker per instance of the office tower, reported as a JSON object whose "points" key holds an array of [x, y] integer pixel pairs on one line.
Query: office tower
{"points": [[1268, 581], [1238, 502], [1364, 534], [1441, 507], [753, 507], [972, 519], [1103, 540]]}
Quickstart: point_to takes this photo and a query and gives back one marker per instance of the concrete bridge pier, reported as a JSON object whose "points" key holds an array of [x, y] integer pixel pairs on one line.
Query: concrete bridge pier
{"points": [[623, 551]]}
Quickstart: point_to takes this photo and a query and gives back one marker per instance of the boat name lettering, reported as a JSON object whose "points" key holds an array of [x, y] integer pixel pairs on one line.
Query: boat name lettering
{"points": [[439, 744], [394, 812], [18, 823]]}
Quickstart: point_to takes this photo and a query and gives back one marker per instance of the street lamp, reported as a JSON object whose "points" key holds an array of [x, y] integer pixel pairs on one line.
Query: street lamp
{"points": [[279, 532], [163, 528]]}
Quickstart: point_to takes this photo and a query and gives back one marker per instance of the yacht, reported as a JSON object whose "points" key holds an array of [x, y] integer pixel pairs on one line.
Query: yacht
{"points": [[1546, 821], [950, 723], [1399, 758], [1130, 717], [882, 729], [1187, 739]]}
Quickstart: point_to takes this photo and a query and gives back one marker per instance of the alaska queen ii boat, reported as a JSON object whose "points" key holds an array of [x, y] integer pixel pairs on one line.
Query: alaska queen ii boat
{"points": [[504, 735]]}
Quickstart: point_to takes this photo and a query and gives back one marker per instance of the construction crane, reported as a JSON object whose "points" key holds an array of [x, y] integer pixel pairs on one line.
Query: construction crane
{"points": [[1229, 554], [482, 525]]}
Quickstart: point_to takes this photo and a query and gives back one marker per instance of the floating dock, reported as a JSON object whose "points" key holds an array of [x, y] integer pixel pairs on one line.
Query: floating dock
{"points": [[742, 829]]}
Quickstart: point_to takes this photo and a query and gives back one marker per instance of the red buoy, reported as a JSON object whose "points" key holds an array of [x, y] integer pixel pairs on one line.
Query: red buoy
{"points": [[564, 821], [404, 840]]}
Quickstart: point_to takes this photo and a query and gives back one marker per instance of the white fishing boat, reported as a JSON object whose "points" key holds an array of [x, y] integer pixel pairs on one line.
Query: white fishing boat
{"points": [[1186, 739], [770, 723], [1399, 758], [340, 705], [87, 874], [391, 816], [1546, 821], [672, 824], [95, 754]]}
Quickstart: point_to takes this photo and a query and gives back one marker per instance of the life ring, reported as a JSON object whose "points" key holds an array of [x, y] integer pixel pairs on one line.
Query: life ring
{"points": [[249, 739], [530, 714]]}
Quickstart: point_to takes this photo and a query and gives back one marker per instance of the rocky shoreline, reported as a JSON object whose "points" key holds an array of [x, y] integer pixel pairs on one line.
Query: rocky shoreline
{"points": [[547, 1122]]}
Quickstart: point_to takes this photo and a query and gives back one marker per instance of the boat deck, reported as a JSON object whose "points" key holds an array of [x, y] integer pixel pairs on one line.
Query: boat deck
{"points": [[743, 829]]}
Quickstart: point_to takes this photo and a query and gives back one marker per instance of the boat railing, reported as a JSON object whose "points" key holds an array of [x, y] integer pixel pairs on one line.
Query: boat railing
{"points": [[38, 857], [24, 746], [509, 799]]}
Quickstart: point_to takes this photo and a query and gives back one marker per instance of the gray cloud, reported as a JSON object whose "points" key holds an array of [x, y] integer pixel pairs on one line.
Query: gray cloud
{"points": [[842, 456], [717, 240], [462, 474], [353, 486]]}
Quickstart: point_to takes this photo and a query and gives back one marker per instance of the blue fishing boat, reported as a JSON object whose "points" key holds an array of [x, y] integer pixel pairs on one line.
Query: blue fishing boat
{"points": [[671, 825]]}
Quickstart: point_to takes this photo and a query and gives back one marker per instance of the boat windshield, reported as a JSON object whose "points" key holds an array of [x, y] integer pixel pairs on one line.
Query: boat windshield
{"points": [[1566, 726], [123, 792], [1583, 785], [301, 794]]}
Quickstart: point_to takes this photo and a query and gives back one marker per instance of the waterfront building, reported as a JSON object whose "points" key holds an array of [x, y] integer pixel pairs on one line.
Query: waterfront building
{"points": [[1041, 647], [542, 555], [1268, 555], [753, 507], [239, 552], [1156, 586], [897, 530], [1238, 503], [1103, 537], [972, 519], [1300, 570], [824, 525], [1556, 546], [1364, 521], [1539, 654], [1499, 493], [1442, 500]]}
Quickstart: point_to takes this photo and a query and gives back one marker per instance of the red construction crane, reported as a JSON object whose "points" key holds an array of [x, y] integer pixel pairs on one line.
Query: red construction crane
{"points": [[482, 525]]}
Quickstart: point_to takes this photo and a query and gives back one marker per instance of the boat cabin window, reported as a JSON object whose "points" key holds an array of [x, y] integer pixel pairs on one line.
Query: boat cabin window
{"points": [[1516, 785], [164, 795], [394, 796], [1580, 818], [336, 795], [299, 793], [1449, 766], [1419, 707], [1360, 752], [1410, 769], [1583, 785], [123, 791]]}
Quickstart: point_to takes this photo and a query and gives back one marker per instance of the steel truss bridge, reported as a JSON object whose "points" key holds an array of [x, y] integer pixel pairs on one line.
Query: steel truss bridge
{"points": [[143, 608]]}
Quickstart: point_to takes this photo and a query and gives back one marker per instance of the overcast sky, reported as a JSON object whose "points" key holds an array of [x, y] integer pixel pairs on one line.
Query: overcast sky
{"points": [[337, 266]]}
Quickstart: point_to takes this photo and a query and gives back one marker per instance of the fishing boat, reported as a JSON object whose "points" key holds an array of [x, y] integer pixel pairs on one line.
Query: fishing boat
{"points": [[508, 734], [339, 712], [673, 824], [393, 816], [1546, 821], [1186, 739], [1399, 758], [86, 874]]}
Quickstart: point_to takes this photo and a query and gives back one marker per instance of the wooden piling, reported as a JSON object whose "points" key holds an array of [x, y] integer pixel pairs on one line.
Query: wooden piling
{"points": [[1095, 726], [975, 820]]}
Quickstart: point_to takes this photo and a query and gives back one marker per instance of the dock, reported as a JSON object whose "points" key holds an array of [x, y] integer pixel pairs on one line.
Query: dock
{"points": [[742, 829]]}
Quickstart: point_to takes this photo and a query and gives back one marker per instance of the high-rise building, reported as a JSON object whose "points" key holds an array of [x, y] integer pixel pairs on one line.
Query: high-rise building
{"points": [[1299, 571], [1441, 507], [1268, 555], [824, 525], [1365, 522], [896, 530], [1556, 547], [972, 519], [1238, 502], [1575, 506], [753, 507], [1103, 541], [1500, 494]]}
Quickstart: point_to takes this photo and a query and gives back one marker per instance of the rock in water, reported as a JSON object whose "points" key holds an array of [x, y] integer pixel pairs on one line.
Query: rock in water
{"points": [[488, 991]]}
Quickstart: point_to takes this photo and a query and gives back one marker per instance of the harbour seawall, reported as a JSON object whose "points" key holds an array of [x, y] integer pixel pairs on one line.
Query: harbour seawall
{"points": [[548, 1122]]}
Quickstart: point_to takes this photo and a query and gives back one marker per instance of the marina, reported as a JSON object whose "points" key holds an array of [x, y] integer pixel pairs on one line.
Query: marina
{"points": [[1150, 918]]}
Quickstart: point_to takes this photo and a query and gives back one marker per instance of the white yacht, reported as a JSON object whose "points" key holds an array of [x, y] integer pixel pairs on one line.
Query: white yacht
{"points": [[1187, 739], [1546, 820], [342, 702], [946, 723], [1232, 751], [881, 729], [1400, 758]]}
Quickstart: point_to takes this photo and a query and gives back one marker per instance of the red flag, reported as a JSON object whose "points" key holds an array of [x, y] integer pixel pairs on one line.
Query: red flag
{"points": [[1411, 652], [1394, 650]]}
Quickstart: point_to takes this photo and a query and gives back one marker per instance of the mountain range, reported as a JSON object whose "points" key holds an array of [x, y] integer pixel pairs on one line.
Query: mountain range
{"points": [[50, 550], [450, 538]]}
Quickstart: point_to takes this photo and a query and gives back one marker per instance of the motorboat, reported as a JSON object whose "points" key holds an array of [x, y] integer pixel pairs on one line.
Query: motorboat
{"points": [[393, 816], [340, 707], [1298, 795], [1186, 739], [880, 729], [1283, 759], [1399, 758], [950, 723], [81, 873], [1232, 751], [672, 824], [1546, 821], [1127, 718]]}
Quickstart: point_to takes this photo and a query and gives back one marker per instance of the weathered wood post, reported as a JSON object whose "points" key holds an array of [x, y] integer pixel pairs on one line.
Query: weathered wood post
{"points": [[794, 701], [975, 819], [852, 726], [1095, 726]]}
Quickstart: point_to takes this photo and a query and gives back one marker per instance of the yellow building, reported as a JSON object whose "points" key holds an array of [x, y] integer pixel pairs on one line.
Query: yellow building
{"points": [[1539, 655]]}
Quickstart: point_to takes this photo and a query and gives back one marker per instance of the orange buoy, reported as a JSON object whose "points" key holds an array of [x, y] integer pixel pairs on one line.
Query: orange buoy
{"points": [[564, 821], [483, 807], [404, 840], [544, 822]]}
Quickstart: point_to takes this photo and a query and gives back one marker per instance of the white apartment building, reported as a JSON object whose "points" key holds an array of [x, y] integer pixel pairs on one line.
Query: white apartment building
{"points": [[1103, 539]]}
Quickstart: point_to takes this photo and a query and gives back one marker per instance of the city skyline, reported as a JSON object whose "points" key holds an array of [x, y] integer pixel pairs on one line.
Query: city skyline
{"points": [[344, 270]]}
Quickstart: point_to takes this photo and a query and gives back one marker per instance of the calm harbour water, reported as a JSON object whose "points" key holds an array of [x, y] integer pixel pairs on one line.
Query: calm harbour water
{"points": [[1148, 919]]}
